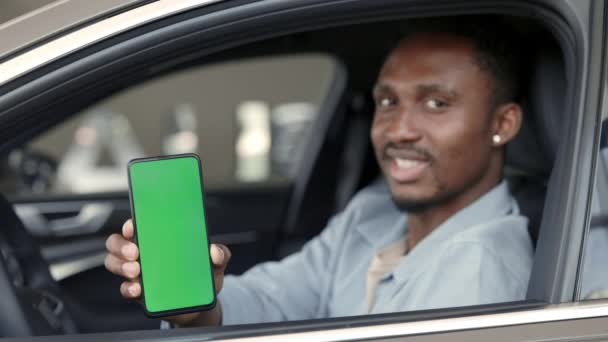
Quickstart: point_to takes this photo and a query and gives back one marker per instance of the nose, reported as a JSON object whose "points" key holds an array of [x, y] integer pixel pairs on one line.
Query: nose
{"points": [[403, 127]]}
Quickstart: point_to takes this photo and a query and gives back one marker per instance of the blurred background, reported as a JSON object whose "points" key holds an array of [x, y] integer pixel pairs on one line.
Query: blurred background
{"points": [[256, 140]]}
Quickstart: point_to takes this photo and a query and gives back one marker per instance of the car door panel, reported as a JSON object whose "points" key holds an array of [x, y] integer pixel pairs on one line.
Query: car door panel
{"points": [[73, 243]]}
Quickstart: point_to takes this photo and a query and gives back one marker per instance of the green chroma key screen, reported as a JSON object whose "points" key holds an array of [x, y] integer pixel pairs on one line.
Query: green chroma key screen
{"points": [[167, 200]]}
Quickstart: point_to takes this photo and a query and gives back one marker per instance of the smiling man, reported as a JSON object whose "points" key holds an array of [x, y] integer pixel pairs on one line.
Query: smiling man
{"points": [[444, 110], [439, 230]]}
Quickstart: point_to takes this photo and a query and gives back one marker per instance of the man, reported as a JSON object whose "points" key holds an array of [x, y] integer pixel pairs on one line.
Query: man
{"points": [[440, 230]]}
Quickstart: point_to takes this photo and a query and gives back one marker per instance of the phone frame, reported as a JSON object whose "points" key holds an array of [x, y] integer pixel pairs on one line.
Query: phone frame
{"points": [[185, 310]]}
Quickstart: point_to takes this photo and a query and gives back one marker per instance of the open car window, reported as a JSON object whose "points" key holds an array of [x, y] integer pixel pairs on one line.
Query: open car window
{"points": [[249, 120]]}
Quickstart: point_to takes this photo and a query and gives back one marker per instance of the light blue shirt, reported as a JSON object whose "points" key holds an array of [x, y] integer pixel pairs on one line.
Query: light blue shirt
{"points": [[480, 255], [595, 275]]}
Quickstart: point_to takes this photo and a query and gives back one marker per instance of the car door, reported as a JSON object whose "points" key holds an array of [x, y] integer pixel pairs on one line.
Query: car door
{"points": [[548, 312], [69, 184]]}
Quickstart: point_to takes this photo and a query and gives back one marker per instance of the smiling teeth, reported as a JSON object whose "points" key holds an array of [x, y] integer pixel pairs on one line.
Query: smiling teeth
{"points": [[407, 163]]}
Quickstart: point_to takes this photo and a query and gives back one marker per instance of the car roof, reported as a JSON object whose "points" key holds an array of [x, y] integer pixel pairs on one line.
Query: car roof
{"points": [[73, 33], [54, 19]]}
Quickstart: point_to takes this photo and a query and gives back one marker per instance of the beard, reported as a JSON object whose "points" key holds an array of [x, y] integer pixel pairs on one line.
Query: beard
{"points": [[417, 205], [441, 196], [443, 192]]}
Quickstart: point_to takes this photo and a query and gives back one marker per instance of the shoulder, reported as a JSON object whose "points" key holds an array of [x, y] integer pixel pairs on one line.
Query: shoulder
{"points": [[505, 238], [470, 273], [497, 251]]}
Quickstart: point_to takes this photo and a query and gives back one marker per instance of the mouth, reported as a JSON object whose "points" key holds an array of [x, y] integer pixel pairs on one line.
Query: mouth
{"points": [[405, 170]]}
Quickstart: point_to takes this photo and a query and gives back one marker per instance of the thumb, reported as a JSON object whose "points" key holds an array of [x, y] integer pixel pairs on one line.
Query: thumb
{"points": [[220, 256]]}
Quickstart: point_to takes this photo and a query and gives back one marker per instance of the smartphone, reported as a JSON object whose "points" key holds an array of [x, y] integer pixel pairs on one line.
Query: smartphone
{"points": [[167, 207]]}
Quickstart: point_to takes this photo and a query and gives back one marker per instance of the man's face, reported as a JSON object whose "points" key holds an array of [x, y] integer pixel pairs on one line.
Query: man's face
{"points": [[432, 125]]}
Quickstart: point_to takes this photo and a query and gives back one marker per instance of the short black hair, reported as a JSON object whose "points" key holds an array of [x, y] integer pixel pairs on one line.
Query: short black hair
{"points": [[497, 48]]}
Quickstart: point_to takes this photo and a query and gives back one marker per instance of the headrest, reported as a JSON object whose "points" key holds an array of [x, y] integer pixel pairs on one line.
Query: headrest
{"points": [[532, 152]]}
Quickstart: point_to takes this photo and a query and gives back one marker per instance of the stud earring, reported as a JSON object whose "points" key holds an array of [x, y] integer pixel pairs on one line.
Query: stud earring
{"points": [[496, 139]]}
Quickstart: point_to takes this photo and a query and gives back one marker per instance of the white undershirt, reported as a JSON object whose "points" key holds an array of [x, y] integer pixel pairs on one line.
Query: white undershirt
{"points": [[383, 262]]}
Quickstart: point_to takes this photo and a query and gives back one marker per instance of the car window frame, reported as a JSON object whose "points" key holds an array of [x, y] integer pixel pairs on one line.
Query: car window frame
{"points": [[551, 289], [600, 169]]}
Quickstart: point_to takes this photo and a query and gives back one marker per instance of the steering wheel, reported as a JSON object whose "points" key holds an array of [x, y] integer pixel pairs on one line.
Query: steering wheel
{"points": [[32, 302]]}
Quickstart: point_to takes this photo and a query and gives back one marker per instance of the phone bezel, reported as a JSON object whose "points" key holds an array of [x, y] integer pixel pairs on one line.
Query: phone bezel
{"points": [[191, 309]]}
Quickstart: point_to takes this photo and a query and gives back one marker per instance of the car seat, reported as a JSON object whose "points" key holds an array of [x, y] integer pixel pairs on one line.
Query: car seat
{"points": [[531, 154]]}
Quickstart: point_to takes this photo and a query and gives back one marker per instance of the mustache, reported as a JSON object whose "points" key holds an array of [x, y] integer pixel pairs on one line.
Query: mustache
{"points": [[407, 148]]}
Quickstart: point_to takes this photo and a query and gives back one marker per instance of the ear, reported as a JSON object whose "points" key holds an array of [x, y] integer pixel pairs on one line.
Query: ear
{"points": [[506, 123]]}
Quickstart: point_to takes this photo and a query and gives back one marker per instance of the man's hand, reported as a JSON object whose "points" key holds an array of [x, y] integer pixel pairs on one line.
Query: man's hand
{"points": [[122, 260]]}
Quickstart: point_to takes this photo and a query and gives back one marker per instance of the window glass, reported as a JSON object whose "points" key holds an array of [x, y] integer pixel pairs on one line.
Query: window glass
{"points": [[247, 127], [594, 282]]}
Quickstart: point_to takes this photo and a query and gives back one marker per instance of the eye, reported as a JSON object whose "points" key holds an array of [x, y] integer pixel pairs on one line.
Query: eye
{"points": [[436, 104], [384, 102]]}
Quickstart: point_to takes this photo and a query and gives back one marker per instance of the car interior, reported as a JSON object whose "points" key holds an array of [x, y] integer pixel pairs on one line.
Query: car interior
{"points": [[337, 162]]}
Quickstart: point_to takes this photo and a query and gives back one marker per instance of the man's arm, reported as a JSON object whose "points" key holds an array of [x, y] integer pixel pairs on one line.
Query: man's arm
{"points": [[297, 287]]}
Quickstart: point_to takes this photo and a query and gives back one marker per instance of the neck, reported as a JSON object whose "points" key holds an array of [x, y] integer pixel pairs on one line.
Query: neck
{"points": [[422, 223]]}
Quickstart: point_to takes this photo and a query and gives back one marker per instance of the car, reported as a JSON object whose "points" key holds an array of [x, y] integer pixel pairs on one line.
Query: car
{"points": [[275, 96]]}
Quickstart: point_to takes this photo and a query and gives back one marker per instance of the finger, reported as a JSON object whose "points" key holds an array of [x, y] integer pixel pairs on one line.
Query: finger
{"points": [[119, 246], [220, 255], [217, 255], [128, 231], [131, 289], [131, 269], [113, 264], [220, 264], [127, 269]]}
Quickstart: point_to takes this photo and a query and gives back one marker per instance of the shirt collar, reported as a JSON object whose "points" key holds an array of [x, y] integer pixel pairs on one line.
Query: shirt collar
{"points": [[494, 204], [380, 229], [379, 221]]}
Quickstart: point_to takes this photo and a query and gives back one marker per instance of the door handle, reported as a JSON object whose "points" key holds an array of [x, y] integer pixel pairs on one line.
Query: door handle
{"points": [[88, 218]]}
